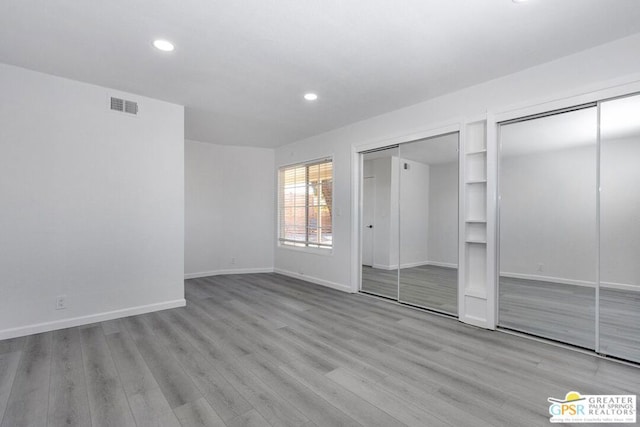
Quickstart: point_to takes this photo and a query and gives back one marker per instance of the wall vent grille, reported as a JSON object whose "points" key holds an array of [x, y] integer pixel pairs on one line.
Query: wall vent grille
{"points": [[130, 107], [117, 104], [124, 106]]}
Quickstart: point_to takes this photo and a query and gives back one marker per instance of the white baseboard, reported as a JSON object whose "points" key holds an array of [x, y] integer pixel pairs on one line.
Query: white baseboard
{"points": [[315, 280], [85, 320], [230, 271]]}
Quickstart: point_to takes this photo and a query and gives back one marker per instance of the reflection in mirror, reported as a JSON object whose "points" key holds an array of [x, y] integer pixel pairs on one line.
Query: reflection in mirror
{"points": [[548, 254], [429, 223], [380, 222], [620, 228]]}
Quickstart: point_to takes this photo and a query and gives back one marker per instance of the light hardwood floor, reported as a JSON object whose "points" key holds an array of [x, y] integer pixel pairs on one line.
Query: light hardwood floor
{"points": [[264, 349]]}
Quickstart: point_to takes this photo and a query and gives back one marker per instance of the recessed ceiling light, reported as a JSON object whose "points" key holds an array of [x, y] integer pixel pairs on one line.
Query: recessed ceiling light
{"points": [[163, 45], [519, 1], [310, 96]]}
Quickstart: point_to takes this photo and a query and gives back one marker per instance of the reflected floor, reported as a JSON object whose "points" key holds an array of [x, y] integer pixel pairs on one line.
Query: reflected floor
{"points": [[566, 313], [552, 310], [427, 286], [620, 323]]}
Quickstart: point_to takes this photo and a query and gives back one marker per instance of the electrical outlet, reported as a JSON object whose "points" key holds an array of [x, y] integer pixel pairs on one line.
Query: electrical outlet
{"points": [[233, 261], [540, 266], [61, 302]]}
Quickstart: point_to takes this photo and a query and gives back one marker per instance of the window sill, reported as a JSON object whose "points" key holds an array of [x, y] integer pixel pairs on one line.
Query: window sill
{"points": [[315, 251]]}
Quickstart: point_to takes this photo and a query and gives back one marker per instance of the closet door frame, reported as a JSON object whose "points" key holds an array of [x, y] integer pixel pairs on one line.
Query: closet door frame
{"points": [[357, 223]]}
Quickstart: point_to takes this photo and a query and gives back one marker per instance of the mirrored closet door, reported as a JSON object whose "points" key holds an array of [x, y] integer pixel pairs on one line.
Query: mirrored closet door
{"points": [[410, 223], [619, 332], [548, 239], [570, 227], [379, 234], [429, 223]]}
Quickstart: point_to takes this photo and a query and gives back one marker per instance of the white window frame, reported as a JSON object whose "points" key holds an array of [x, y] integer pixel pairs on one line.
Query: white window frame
{"points": [[303, 245]]}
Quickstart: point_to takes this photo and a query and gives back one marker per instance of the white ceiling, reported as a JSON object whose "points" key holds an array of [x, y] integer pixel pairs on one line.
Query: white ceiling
{"points": [[241, 67]]}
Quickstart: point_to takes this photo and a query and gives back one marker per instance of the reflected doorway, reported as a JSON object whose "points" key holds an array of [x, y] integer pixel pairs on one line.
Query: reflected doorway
{"points": [[379, 229]]}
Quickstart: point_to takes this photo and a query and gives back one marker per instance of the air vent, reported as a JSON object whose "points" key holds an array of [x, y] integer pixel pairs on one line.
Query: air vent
{"points": [[124, 106], [117, 104], [130, 107]]}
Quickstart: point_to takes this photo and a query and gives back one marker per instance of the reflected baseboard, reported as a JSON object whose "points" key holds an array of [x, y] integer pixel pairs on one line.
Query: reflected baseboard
{"points": [[415, 264], [575, 282], [549, 279]]}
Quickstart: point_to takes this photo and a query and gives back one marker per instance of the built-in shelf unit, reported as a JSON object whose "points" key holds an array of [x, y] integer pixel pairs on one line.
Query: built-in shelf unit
{"points": [[473, 304]]}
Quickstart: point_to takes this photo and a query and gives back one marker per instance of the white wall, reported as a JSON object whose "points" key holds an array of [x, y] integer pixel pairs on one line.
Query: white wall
{"points": [[321, 266], [590, 70], [229, 209], [443, 214], [92, 204]]}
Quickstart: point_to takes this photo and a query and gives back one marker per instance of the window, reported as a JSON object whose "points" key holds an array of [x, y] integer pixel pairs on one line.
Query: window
{"points": [[305, 202]]}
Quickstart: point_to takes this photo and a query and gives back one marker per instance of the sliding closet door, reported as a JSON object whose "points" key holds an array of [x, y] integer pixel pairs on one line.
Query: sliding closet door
{"points": [[548, 229], [429, 223], [380, 223], [620, 228]]}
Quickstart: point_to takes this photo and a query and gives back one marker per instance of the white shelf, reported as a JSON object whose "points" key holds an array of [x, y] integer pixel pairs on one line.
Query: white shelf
{"points": [[476, 241], [476, 152], [476, 181], [476, 221], [476, 293]]}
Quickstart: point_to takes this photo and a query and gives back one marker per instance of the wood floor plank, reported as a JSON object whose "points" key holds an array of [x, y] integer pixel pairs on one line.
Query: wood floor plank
{"points": [[396, 407], [225, 400], [198, 414], [29, 399], [9, 363], [152, 409], [68, 401], [177, 386], [12, 345], [249, 419], [107, 400], [148, 404], [265, 340], [315, 408], [423, 397], [349, 403], [276, 410]]}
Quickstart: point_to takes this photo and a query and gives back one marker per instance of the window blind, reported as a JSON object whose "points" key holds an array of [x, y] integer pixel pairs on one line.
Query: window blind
{"points": [[305, 204]]}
